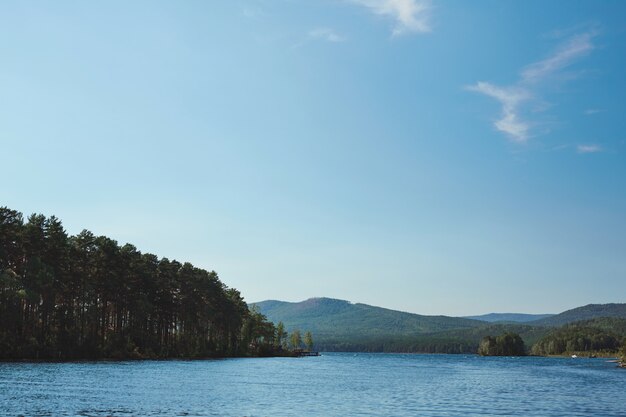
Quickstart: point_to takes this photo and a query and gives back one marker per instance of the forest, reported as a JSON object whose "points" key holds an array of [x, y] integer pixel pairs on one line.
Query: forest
{"points": [[86, 297], [507, 344], [602, 335]]}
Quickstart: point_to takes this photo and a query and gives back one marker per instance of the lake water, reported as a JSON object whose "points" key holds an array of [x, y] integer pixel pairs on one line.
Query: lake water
{"points": [[333, 384]]}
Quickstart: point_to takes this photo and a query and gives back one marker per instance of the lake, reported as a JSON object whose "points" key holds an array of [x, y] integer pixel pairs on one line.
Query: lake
{"points": [[334, 384]]}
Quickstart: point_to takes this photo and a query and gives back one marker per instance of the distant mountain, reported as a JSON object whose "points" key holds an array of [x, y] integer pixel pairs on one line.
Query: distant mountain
{"points": [[590, 311], [509, 317], [330, 318], [339, 325]]}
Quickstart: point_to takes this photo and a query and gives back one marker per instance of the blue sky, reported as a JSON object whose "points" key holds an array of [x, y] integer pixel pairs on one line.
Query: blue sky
{"points": [[435, 157]]}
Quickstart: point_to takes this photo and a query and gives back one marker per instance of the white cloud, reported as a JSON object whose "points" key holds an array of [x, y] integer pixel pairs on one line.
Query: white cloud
{"points": [[409, 15], [576, 47], [525, 89], [326, 34], [589, 148], [590, 112], [510, 98]]}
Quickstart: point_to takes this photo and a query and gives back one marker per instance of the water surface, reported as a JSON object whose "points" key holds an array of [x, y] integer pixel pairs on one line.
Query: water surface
{"points": [[329, 385]]}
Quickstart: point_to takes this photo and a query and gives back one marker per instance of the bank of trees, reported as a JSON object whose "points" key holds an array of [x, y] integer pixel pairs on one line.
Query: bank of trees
{"points": [[308, 340], [507, 344], [593, 336], [296, 341], [406, 344], [85, 296]]}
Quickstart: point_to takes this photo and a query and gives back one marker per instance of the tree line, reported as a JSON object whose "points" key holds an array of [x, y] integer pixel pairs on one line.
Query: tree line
{"points": [[593, 336], [604, 336], [506, 344], [87, 297]]}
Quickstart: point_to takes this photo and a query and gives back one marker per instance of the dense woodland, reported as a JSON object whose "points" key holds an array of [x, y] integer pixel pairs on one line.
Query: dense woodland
{"points": [[398, 344], [85, 296], [587, 312], [342, 326], [507, 344], [602, 335]]}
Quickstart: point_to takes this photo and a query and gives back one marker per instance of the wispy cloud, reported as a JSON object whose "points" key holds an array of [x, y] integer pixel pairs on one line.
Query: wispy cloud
{"points": [[526, 88], [326, 34], [590, 112], [589, 148], [510, 98], [409, 15], [576, 47]]}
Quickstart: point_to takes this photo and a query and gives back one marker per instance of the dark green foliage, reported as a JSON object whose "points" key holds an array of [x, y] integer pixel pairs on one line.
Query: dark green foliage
{"points": [[329, 318], [507, 344], [529, 334], [509, 317], [398, 344], [608, 324], [602, 335], [341, 326], [84, 296], [590, 311]]}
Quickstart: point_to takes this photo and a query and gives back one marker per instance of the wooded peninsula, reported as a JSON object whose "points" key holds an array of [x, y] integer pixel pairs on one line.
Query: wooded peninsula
{"points": [[86, 297]]}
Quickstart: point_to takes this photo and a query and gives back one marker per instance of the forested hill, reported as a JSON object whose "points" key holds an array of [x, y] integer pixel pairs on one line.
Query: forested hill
{"points": [[86, 297], [339, 325], [328, 318], [605, 335], [590, 311], [509, 317]]}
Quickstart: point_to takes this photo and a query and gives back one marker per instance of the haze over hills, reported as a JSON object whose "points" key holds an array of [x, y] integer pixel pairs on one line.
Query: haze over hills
{"points": [[342, 325], [509, 317]]}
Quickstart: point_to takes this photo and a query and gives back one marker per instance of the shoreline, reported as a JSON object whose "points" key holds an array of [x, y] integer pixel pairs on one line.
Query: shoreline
{"points": [[284, 354]]}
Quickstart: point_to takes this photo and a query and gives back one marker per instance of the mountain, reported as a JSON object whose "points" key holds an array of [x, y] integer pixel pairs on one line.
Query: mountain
{"points": [[509, 317], [339, 325], [340, 320], [590, 311]]}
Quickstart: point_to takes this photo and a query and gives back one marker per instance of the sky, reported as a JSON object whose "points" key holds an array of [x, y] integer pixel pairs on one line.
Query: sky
{"points": [[436, 157]]}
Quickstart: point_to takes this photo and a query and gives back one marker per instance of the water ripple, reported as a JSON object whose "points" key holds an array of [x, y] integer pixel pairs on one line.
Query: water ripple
{"points": [[330, 385]]}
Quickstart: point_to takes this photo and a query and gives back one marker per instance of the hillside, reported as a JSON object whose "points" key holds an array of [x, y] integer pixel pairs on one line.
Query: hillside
{"points": [[590, 311], [329, 318], [339, 325], [464, 340], [509, 317], [595, 336]]}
